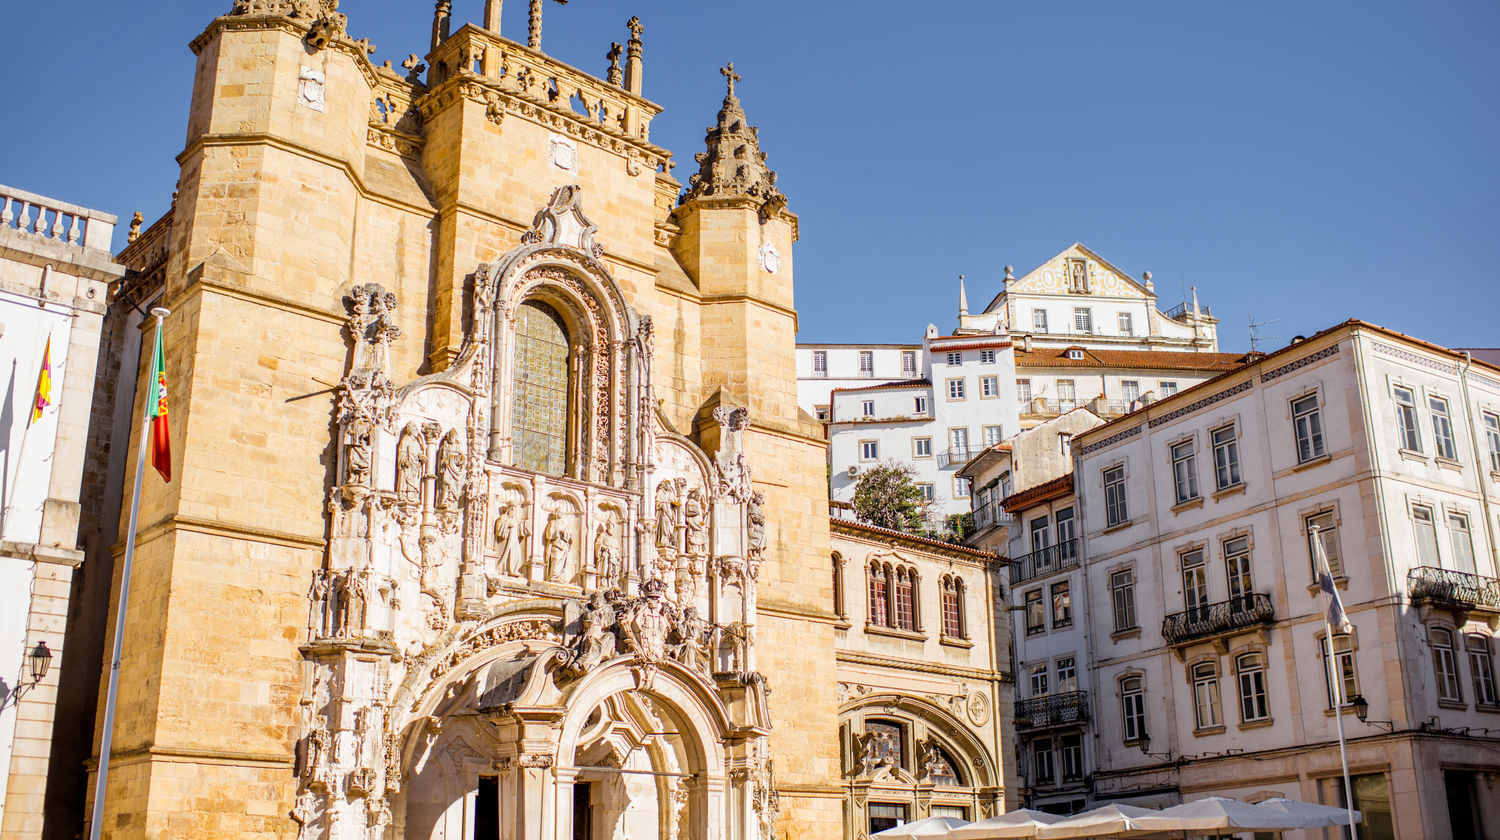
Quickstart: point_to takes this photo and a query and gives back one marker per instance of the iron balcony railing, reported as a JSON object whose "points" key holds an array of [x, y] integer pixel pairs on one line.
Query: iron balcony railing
{"points": [[1181, 310], [1215, 619], [1451, 588], [992, 516], [1050, 710], [956, 455], [1053, 558]]}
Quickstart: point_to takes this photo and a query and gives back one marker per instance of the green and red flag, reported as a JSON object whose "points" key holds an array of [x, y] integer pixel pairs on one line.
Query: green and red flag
{"points": [[156, 413]]}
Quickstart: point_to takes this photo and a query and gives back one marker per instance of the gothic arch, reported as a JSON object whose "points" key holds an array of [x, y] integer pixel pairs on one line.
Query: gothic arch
{"points": [[980, 769]]}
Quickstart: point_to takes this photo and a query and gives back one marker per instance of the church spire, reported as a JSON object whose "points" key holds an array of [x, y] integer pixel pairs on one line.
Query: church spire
{"points": [[734, 165]]}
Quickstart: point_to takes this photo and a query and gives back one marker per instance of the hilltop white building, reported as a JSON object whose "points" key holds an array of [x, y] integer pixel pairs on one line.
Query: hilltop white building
{"points": [[1176, 649]]}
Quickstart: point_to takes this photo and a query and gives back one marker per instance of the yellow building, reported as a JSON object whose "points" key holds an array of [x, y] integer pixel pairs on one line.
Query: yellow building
{"points": [[496, 513]]}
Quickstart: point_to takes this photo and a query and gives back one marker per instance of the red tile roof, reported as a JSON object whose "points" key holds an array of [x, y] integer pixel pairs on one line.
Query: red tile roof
{"points": [[1046, 357], [1047, 491]]}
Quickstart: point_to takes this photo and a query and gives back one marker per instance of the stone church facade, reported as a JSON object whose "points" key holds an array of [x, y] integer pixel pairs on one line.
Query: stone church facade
{"points": [[496, 515]]}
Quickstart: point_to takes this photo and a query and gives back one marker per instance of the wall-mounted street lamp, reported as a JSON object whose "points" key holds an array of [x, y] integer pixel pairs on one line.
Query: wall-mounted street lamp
{"points": [[1362, 711], [38, 661], [1144, 745]]}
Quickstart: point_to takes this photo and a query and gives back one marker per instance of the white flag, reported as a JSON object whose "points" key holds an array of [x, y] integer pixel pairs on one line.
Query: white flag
{"points": [[1336, 616]]}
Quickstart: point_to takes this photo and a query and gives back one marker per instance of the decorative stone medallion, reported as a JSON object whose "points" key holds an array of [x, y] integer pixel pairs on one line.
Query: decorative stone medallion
{"points": [[310, 89], [770, 258], [563, 153]]}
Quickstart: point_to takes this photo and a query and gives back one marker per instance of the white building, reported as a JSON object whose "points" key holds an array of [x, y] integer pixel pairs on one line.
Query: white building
{"points": [[1202, 638], [964, 401], [55, 270]]}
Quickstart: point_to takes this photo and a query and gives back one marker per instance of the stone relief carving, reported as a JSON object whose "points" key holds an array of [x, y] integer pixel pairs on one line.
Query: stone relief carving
{"points": [[608, 550], [558, 542], [411, 466], [512, 534], [729, 462], [450, 472]]}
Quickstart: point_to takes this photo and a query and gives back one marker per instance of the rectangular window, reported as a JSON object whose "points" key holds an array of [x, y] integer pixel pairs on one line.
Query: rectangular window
{"points": [[1372, 798], [1042, 759], [1251, 668], [1072, 756], [1226, 457], [1062, 605], [821, 411], [1130, 390], [926, 489], [989, 386], [1406, 419], [908, 363], [953, 623], [879, 592], [1442, 428], [986, 357], [1122, 589], [1492, 437], [1482, 668], [919, 406], [1195, 585], [1036, 615], [1237, 567], [1126, 328], [1133, 708], [1185, 471], [867, 364], [1067, 675], [955, 358], [1307, 422], [1065, 444], [1039, 320], [905, 584], [883, 816], [958, 444], [1063, 522], [1463, 543], [1445, 665], [1426, 530], [956, 388], [1040, 533], [960, 487], [1038, 680], [1168, 388], [1023, 395], [921, 447], [869, 450], [1328, 537], [1114, 497], [991, 435], [1206, 707], [869, 408], [820, 363], [1083, 320], [1067, 396], [1343, 659]]}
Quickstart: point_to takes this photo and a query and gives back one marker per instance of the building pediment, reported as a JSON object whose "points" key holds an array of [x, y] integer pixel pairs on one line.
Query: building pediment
{"points": [[1078, 270]]}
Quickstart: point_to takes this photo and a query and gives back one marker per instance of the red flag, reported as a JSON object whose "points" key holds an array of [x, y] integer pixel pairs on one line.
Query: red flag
{"points": [[156, 399]]}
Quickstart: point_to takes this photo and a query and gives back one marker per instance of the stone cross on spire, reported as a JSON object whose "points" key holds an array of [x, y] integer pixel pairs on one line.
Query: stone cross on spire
{"points": [[728, 73]]}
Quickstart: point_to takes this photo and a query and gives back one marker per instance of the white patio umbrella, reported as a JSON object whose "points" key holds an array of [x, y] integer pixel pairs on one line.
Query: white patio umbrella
{"points": [[931, 828], [1111, 819], [1312, 814], [1019, 823], [1219, 814]]}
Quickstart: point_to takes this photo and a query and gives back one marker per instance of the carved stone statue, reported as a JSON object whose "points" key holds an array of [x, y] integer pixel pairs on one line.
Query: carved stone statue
{"points": [[558, 542], [650, 622], [695, 514], [607, 553], [304, 812], [318, 742], [932, 759], [667, 509], [511, 534], [353, 592], [737, 638], [597, 642], [729, 461], [755, 526], [411, 465], [692, 641], [319, 611], [450, 471], [357, 451]]}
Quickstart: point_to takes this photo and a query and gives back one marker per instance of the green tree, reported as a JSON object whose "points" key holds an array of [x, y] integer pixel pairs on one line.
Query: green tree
{"points": [[888, 496]]}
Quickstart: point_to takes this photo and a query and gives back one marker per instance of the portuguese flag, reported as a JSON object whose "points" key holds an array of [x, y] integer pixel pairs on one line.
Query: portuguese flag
{"points": [[156, 411]]}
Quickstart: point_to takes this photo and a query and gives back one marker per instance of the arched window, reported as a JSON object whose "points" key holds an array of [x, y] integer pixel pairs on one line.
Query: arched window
{"points": [[879, 587], [953, 608], [906, 591], [938, 765], [540, 412]]}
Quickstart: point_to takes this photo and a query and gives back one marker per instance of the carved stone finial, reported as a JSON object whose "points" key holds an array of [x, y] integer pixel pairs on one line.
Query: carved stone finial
{"points": [[615, 76], [534, 23], [635, 27], [733, 164], [634, 67], [135, 227]]}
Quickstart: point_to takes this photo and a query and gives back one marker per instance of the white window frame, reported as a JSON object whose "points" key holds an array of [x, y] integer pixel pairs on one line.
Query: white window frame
{"points": [[1226, 456], [962, 487], [1130, 390], [1116, 510], [921, 447], [992, 435], [1329, 535], [1127, 328], [956, 391], [867, 408], [1439, 413], [986, 357], [1345, 666], [926, 489], [820, 364], [919, 405], [1168, 387], [867, 364], [908, 363], [1039, 320], [1083, 320], [1255, 703], [1461, 540], [1132, 707], [1208, 709], [1307, 427], [955, 357], [1492, 438], [1448, 684], [869, 451], [1408, 428], [1122, 599], [1184, 455], [1481, 658], [989, 387], [1424, 524]]}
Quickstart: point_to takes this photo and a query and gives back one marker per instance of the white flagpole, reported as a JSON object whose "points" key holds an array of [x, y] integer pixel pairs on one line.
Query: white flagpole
{"points": [[114, 669], [1335, 681]]}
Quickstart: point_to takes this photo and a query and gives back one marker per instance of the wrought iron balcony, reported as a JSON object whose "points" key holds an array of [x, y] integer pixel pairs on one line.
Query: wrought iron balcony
{"points": [[1071, 709], [1217, 619], [992, 516], [1053, 558], [1448, 588], [956, 455], [1184, 309]]}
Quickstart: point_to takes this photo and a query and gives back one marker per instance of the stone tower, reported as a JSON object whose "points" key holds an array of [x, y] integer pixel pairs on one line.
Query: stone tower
{"points": [[496, 514]]}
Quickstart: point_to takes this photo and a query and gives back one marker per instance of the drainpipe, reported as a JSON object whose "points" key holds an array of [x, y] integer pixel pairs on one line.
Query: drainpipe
{"points": [[1484, 496]]}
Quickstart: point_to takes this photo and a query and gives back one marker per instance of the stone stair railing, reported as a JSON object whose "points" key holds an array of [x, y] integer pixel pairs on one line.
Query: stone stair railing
{"points": [[45, 218]]}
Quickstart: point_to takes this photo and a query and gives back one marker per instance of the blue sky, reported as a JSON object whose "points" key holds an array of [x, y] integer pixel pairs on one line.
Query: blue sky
{"points": [[1306, 162]]}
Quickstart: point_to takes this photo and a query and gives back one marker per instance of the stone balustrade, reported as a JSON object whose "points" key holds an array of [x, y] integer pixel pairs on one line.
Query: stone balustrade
{"points": [[48, 219]]}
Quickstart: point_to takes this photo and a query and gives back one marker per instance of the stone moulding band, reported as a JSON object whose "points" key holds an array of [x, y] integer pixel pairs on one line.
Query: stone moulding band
{"points": [[1203, 403], [1300, 363]]}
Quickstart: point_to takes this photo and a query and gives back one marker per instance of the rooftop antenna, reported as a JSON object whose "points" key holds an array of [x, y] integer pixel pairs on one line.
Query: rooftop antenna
{"points": [[1255, 336]]}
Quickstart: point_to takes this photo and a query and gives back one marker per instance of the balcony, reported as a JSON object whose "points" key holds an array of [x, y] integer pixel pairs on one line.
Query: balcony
{"points": [[956, 456], [1184, 309], [1454, 590], [1053, 710], [1053, 558], [1219, 619], [992, 516]]}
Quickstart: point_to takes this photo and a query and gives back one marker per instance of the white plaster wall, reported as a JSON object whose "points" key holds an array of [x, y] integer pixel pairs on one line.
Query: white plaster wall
{"points": [[25, 464]]}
